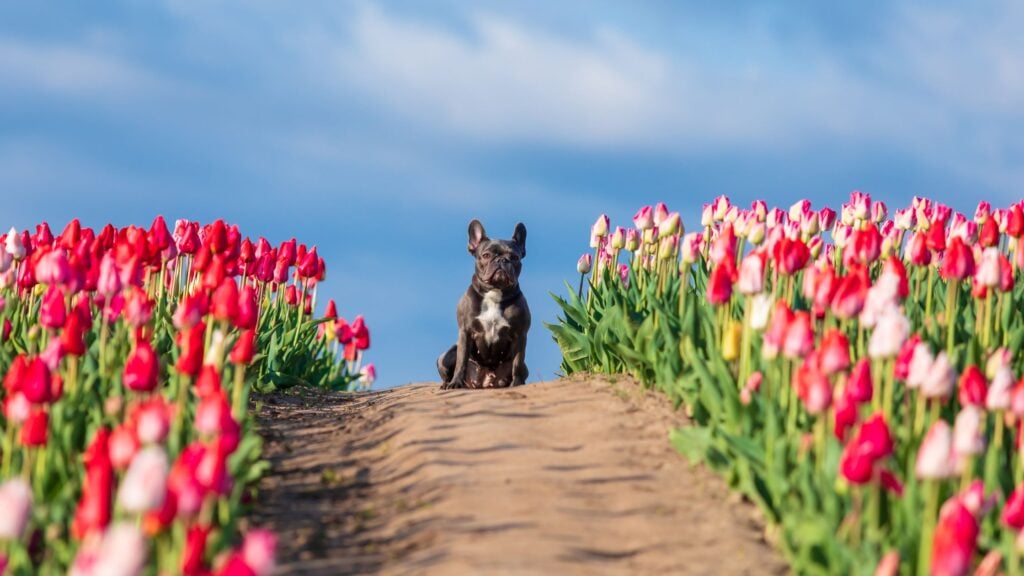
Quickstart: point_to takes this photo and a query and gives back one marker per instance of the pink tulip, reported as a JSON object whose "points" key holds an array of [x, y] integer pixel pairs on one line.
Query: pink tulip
{"points": [[124, 445], [109, 282], [934, 457], [145, 483], [644, 218], [121, 552], [889, 565], [751, 279], [799, 336], [152, 421], [890, 332], [584, 264], [940, 378], [16, 503], [258, 550], [835, 352], [968, 432]]}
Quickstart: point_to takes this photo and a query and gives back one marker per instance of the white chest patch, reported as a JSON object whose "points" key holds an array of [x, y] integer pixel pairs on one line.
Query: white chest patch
{"points": [[490, 316]]}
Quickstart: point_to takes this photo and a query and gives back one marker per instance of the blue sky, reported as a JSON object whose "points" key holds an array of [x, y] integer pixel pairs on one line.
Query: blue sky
{"points": [[377, 131]]}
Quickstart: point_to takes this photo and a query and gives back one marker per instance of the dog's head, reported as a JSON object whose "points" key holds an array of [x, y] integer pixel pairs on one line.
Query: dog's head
{"points": [[498, 262]]}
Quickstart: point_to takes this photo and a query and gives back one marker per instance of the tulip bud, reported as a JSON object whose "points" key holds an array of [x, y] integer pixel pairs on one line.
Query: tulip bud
{"points": [[600, 227], [721, 206], [14, 245], [644, 218], [691, 247], [707, 216], [671, 225]]}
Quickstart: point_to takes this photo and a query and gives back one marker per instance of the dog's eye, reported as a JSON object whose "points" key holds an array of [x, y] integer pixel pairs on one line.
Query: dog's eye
{"points": [[515, 257], [487, 255]]}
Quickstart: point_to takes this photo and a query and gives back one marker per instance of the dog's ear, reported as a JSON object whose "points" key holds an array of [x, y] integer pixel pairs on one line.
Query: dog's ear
{"points": [[519, 238], [476, 236]]}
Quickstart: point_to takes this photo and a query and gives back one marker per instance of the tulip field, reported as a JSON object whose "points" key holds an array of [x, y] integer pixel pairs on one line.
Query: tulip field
{"points": [[856, 374], [128, 357]]}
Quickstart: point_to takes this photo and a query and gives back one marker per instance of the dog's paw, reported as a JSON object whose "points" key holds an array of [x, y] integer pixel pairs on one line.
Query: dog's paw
{"points": [[517, 382], [454, 384]]}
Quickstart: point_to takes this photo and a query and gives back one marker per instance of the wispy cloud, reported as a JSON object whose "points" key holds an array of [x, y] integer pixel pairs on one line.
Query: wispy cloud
{"points": [[74, 69]]}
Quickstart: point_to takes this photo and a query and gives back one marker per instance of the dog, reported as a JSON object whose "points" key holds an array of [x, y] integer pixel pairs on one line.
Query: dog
{"points": [[492, 316]]}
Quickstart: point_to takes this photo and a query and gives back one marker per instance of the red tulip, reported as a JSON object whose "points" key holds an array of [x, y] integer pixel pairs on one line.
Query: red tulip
{"points": [[142, 368], [191, 343], [331, 312], [159, 236], [52, 312], [193, 559], [35, 381], [72, 337], [70, 236], [224, 305], [791, 256], [865, 246], [988, 235], [850, 296], [956, 538], [972, 387], [894, 265], [1013, 512], [845, 412], [309, 267], [360, 339], [720, 282], [1015, 222], [244, 349], [235, 566], [35, 430], [248, 308], [918, 251], [874, 433], [208, 382], [820, 285], [958, 261], [935, 237], [859, 387]]}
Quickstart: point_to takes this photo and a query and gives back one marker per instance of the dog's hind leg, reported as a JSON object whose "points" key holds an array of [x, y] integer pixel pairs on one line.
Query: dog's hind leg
{"points": [[446, 365]]}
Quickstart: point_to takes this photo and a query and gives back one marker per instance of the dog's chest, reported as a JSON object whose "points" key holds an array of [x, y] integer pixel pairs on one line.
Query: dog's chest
{"points": [[491, 318]]}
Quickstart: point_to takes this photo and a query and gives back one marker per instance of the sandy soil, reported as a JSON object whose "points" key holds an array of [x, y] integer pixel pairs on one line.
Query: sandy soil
{"points": [[567, 477]]}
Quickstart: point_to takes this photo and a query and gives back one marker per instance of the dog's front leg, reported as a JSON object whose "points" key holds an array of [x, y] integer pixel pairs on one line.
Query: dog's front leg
{"points": [[519, 370], [461, 359]]}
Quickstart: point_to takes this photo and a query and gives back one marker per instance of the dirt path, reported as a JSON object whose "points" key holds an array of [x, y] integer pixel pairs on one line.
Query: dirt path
{"points": [[565, 477]]}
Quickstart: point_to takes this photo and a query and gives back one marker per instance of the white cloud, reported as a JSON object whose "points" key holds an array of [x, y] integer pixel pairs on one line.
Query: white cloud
{"points": [[509, 83], [74, 69]]}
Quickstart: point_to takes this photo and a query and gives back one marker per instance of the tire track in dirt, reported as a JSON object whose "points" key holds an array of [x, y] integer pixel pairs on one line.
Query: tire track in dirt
{"points": [[574, 476]]}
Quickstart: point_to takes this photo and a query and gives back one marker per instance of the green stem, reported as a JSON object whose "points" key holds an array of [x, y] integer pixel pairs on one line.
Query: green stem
{"points": [[995, 450], [924, 558]]}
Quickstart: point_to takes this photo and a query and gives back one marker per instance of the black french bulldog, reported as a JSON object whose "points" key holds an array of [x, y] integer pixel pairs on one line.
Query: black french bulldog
{"points": [[493, 317]]}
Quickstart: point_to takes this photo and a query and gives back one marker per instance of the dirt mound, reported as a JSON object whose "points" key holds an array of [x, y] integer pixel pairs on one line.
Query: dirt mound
{"points": [[568, 477]]}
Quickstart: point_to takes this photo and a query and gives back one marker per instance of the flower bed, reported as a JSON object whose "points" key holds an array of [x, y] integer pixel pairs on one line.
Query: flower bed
{"points": [[128, 358], [855, 374]]}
